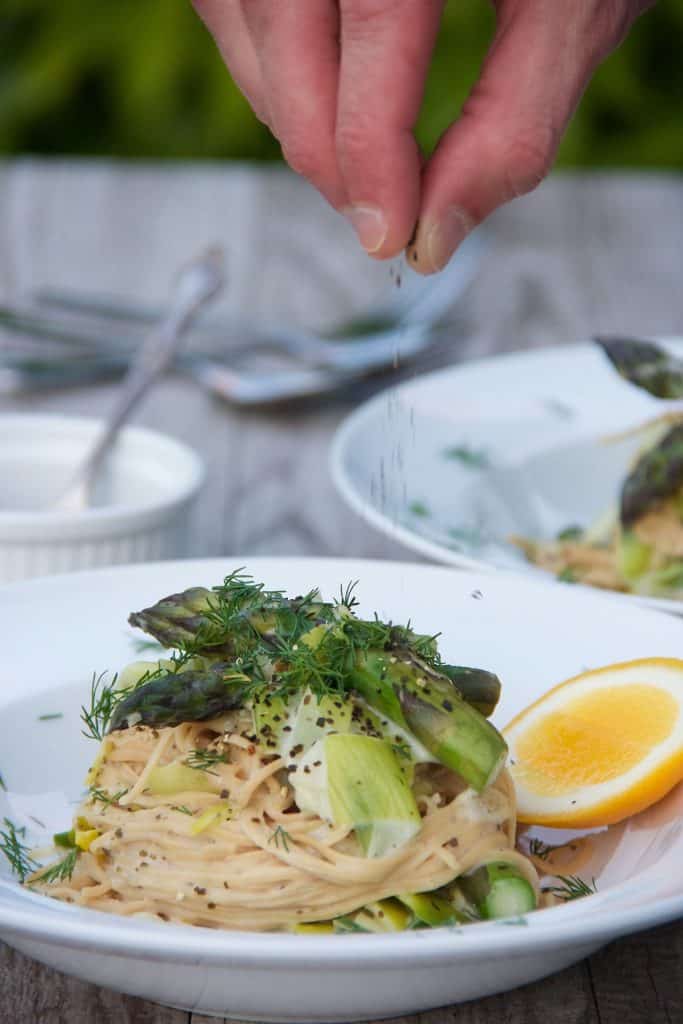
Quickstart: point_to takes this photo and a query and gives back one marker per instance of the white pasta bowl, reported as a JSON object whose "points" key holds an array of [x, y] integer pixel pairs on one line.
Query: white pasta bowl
{"points": [[141, 502], [531, 633]]}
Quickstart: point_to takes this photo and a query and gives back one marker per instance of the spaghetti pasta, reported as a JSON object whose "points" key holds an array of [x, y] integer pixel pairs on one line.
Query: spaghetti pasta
{"points": [[262, 864]]}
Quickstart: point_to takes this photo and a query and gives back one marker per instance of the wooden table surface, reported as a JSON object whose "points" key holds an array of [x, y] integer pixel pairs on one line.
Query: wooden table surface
{"points": [[586, 253]]}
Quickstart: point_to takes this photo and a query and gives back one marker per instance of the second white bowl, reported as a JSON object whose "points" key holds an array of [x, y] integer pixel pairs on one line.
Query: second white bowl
{"points": [[141, 505]]}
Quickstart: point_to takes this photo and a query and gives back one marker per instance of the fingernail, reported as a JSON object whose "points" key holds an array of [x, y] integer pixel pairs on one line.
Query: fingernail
{"points": [[370, 225], [444, 237]]}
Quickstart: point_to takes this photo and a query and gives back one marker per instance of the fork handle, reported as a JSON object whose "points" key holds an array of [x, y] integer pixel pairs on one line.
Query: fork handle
{"points": [[197, 283]]}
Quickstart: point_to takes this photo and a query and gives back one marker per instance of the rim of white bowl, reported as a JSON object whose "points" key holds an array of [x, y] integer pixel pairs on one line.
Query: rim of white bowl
{"points": [[81, 928], [100, 520]]}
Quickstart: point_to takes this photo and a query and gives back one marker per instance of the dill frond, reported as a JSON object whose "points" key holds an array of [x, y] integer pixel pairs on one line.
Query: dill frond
{"points": [[104, 698], [61, 871], [205, 760], [280, 836], [100, 796], [537, 848], [15, 850], [572, 887]]}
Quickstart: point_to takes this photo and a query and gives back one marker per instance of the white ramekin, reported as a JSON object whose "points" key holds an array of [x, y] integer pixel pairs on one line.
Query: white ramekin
{"points": [[143, 501]]}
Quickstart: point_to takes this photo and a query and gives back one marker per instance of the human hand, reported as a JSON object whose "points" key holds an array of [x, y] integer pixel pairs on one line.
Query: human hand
{"points": [[340, 83]]}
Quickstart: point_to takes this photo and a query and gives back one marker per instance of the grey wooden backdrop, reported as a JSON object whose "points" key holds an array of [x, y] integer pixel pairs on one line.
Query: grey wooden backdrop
{"points": [[585, 253]]}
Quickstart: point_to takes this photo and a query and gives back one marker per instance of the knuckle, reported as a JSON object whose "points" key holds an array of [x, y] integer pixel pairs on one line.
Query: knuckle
{"points": [[355, 137], [526, 163], [302, 157], [359, 15]]}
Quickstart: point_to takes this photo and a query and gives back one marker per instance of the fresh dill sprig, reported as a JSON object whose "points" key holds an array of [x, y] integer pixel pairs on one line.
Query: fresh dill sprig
{"points": [[51, 716], [100, 796], [572, 887], [280, 836], [61, 871], [3, 785], [422, 645], [274, 644], [473, 458], [347, 597], [234, 597], [537, 848], [182, 809], [320, 669], [15, 850], [104, 698], [239, 589], [419, 508], [205, 760]]}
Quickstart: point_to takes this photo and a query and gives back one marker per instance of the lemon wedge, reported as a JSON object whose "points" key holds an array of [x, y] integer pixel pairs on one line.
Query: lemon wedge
{"points": [[601, 746]]}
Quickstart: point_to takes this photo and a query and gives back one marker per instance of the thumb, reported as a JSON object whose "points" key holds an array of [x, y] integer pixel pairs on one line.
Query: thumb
{"points": [[505, 141]]}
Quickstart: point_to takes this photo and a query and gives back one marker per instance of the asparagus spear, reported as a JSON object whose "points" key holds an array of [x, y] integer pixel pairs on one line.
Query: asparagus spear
{"points": [[479, 688], [177, 619], [190, 696], [658, 474], [646, 365], [414, 695], [497, 889], [229, 623]]}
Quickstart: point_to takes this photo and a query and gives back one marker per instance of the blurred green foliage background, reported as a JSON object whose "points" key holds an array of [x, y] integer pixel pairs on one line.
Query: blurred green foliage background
{"points": [[141, 78]]}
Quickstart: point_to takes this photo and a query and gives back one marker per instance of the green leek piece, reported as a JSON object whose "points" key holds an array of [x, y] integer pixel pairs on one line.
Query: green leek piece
{"points": [[365, 721], [497, 889], [633, 556], [315, 719], [85, 837], [314, 928], [211, 816], [358, 781], [388, 915], [65, 839], [271, 714], [432, 709], [430, 908], [170, 779]]}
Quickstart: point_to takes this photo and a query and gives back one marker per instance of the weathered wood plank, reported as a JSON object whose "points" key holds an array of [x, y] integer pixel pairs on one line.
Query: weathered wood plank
{"points": [[640, 978], [33, 994]]}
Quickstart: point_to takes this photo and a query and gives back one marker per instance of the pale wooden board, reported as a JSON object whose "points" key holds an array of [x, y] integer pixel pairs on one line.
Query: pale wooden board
{"points": [[585, 253]]}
